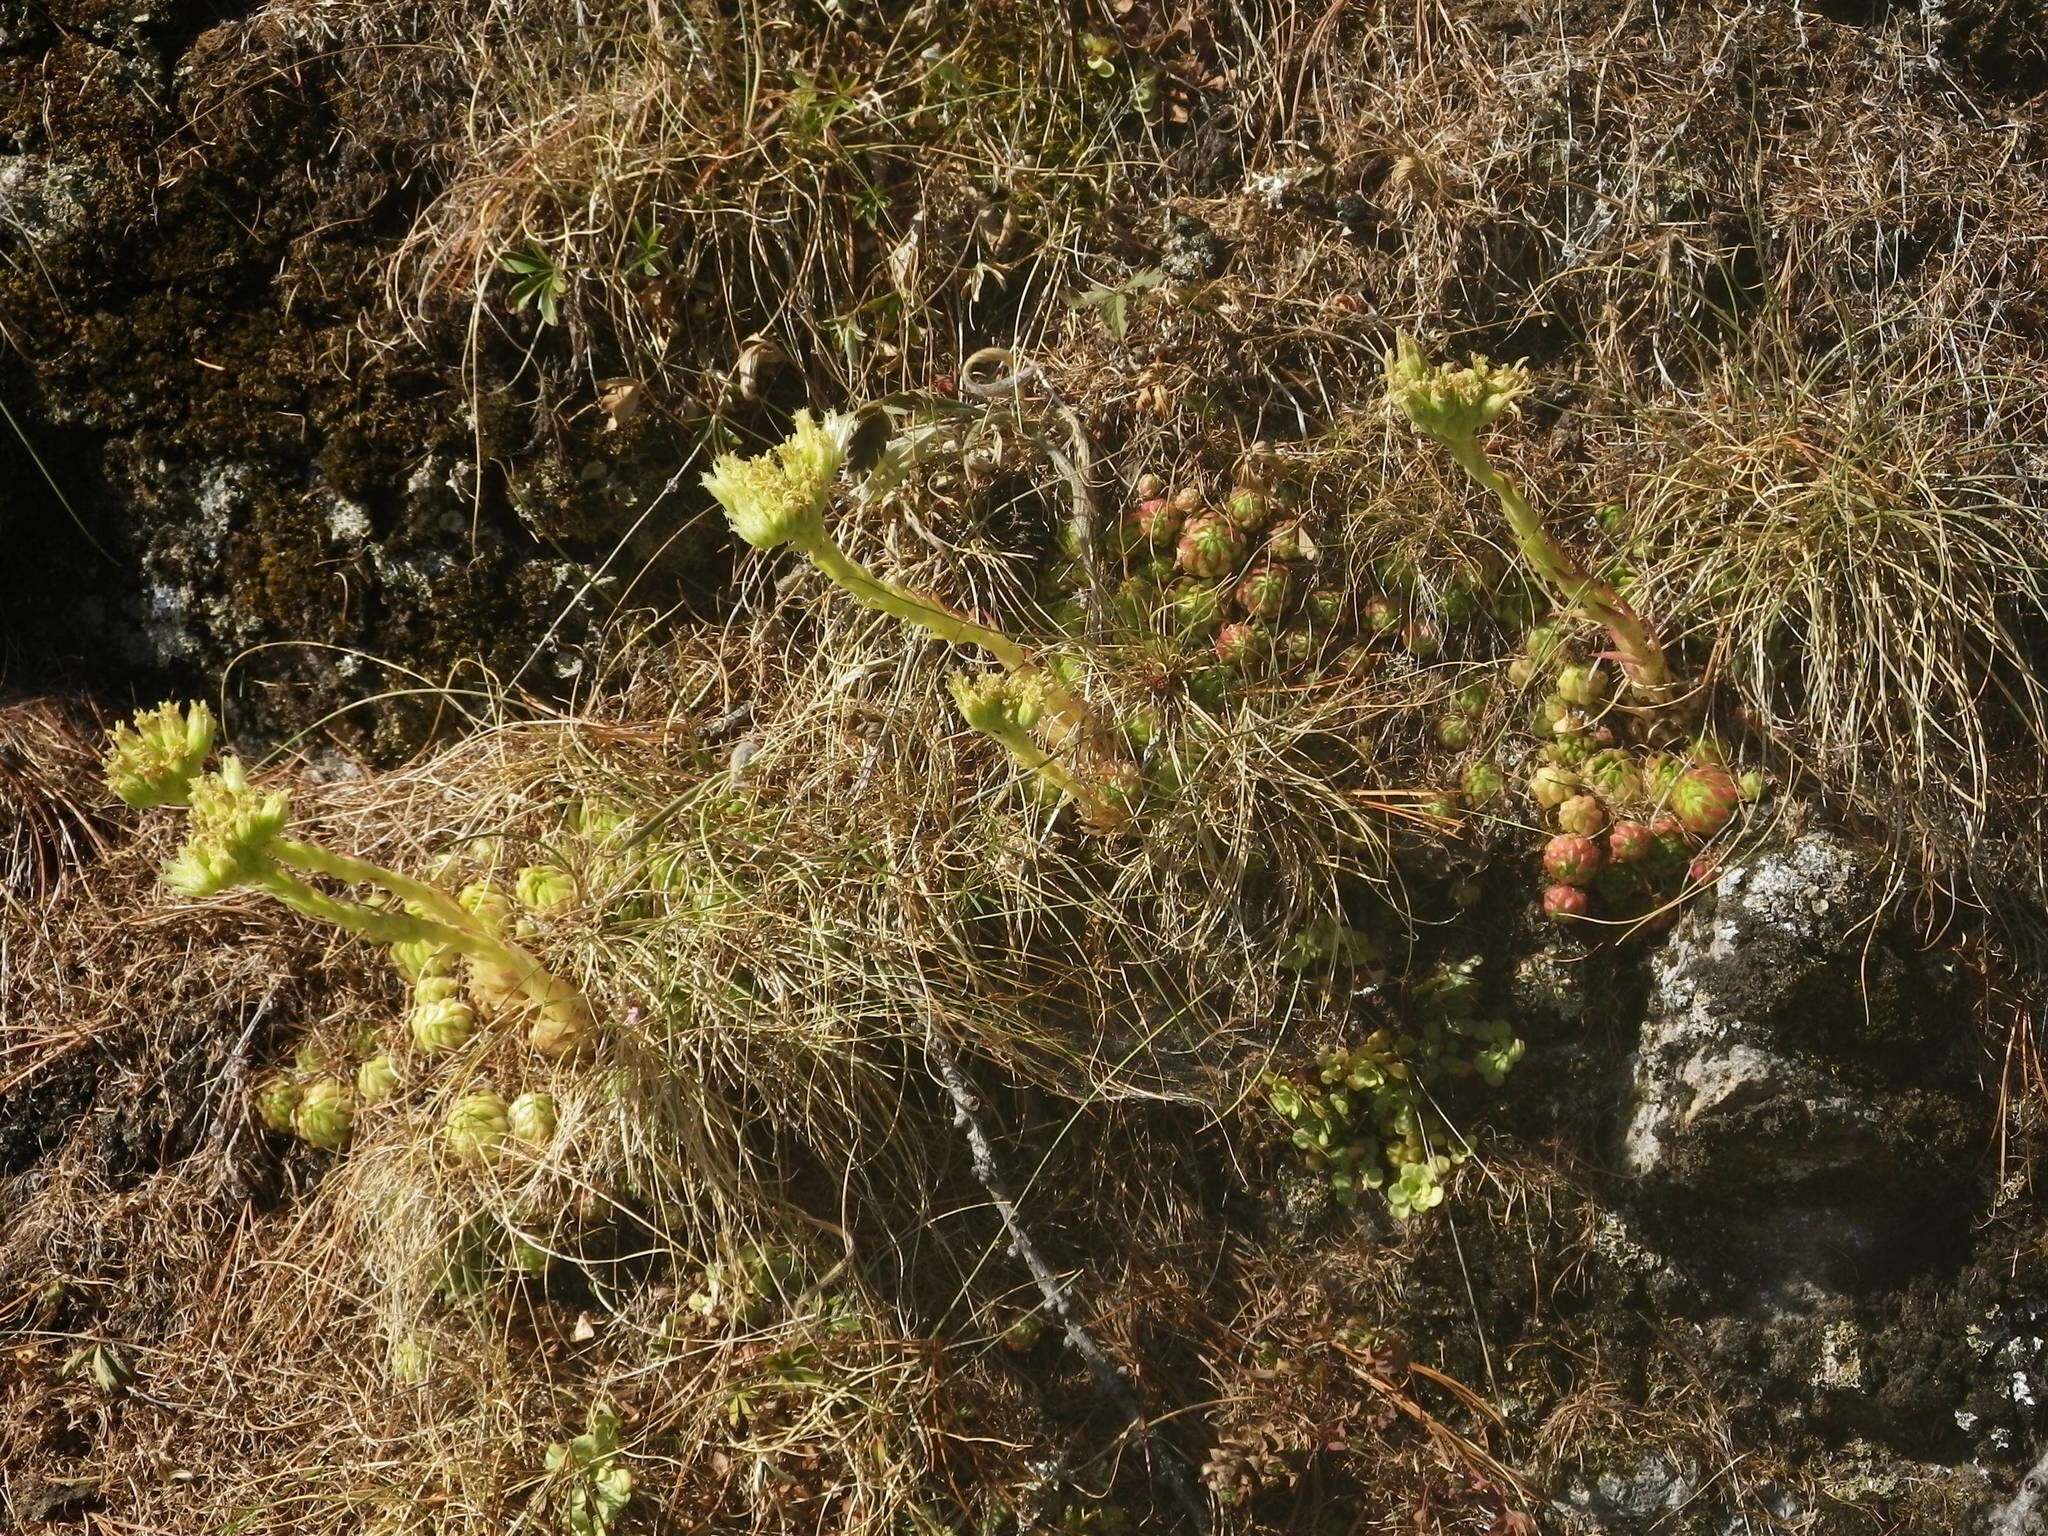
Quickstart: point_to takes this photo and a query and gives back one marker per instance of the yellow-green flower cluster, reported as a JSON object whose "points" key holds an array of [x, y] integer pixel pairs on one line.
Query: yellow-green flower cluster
{"points": [[232, 827], [154, 761], [779, 497], [1451, 404], [998, 704]]}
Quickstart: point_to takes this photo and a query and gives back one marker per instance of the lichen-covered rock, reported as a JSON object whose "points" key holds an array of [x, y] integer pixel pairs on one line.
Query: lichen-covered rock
{"points": [[1797, 1105], [1635, 1491], [246, 479]]}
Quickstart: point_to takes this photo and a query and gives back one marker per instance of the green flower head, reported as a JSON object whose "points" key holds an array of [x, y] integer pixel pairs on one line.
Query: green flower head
{"points": [[154, 761], [232, 826], [1452, 405], [779, 497], [997, 704]]}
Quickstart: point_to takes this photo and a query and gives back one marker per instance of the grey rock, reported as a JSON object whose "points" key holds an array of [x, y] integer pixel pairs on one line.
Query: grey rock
{"points": [[1190, 251], [1633, 1495], [42, 200], [1791, 1068]]}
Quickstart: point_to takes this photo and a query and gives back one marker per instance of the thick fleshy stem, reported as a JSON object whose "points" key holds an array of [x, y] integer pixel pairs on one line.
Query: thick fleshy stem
{"points": [[780, 497], [442, 917], [1642, 659], [1005, 707], [1033, 758], [1067, 719]]}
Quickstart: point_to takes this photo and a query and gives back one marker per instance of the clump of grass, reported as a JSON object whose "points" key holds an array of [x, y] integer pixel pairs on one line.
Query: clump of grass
{"points": [[1856, 561]]}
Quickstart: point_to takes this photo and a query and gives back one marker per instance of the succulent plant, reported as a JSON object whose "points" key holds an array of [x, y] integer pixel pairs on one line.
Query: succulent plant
{"points": [[154, 760], [1582, 816], [1422, 640], [1568, 751], [1542, 645], [779, 497], [1751, 785], [1209, 686], [1701, 869], [325, 1117], [1583, 687], [1155, 521], [377, 1079], [1454, 405], [1482, 784], [1381, 614], [1193, 607], [1613, 774], [1458, 600], [1552, 785], [561, 1025], [1007, 707], [1210, 546], [1674, 847], [411, 1361], [440, 1020], [476, 1128], [1660, 773], [1240, 645], [494, 978], [1554, 716], [1248, 508], [1290, 541], [1629, 842], [1704, 798], [1326, 607], [415, 958], [1571, 860], [1453, 732], [1134, 600], [1562, 903], [277, 1100], [540, 887], [531, 1119], [1297, 643], [231, 829], [1264, 591], [236, 837]]}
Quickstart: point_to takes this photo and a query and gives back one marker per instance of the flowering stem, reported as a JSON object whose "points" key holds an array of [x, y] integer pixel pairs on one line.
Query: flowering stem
{"points": [[1067, 717], [440, 916], [1642, 658], [1033, 758], [886, 597], [350, 916]]}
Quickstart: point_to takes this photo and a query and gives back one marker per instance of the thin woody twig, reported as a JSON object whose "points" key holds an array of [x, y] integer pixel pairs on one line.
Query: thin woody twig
{"points": [[1110, 1377]]}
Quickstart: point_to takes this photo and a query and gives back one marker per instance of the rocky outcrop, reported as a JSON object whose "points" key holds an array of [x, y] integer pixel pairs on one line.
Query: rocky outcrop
{"points": [[1798, 1104], [224, 462]]}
